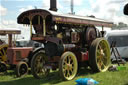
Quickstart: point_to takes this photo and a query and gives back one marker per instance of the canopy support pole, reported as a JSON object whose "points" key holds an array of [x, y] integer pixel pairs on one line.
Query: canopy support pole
{"points": [[30, 28], [44, 27]]}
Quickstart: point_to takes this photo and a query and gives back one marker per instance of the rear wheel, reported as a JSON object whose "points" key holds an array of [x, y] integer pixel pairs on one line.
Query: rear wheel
{"points": [[68, 66], [21, 69], [37, 65], [99, 55]]}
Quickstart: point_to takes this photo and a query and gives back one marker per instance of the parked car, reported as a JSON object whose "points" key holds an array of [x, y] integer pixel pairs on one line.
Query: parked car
{"points": [[121, 38]]}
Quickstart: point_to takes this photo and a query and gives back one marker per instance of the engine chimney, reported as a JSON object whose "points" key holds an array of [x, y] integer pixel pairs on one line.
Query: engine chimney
{"points": [[53, 5]]}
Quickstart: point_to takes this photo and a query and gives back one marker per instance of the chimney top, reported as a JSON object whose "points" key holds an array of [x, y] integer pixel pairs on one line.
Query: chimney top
{"points": [[53, 5]]}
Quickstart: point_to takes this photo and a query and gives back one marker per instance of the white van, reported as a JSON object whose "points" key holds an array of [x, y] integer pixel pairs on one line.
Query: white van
{"points": [[121, 38]]}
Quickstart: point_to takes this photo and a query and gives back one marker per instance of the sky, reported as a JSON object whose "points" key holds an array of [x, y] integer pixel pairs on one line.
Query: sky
{"points": [[111, 10]]}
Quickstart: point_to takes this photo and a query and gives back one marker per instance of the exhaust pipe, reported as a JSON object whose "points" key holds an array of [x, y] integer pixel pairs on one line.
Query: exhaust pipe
{"points": [[53, 5]]}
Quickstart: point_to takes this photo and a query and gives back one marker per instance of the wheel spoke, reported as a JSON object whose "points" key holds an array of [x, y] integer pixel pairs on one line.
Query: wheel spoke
{"points": [[70, 59], [65, 67], [65, 61], [69, 74], [98, 52], [1, 53], [4, 52], [64, 71], [102, 65]]}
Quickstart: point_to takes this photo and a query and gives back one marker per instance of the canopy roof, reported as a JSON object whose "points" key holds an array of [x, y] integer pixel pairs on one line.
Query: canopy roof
{"points": [[61, 18], [9, 31]]}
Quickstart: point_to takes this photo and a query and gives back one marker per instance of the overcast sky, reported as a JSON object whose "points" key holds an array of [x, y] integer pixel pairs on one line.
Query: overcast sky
{"points": [[105, 9]]}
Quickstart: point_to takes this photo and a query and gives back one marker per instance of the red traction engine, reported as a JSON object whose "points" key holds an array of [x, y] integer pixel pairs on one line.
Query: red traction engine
{"points": [[14, 57], [69, 41]]}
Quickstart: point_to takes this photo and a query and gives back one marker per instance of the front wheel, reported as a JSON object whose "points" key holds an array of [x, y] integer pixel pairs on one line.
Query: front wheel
{"points": [[37, 65], [99, 55], [68, 66], [21, 69]]}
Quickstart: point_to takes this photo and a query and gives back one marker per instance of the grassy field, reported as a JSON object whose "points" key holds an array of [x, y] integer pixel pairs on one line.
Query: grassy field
{"points": [[105, 78]]}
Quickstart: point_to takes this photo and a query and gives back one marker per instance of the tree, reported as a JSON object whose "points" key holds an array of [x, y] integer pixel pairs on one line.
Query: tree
{"points": [[120, 26]]}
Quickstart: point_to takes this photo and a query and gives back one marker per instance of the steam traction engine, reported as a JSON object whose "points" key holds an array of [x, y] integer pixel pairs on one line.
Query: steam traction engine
{"points": [[69, 41]]}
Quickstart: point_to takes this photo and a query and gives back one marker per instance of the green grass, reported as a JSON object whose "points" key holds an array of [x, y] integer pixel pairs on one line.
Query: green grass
{"points": [[105, 78]]}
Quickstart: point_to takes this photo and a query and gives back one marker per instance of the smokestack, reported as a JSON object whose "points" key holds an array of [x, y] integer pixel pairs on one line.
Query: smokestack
{"points": [[53, 5]]}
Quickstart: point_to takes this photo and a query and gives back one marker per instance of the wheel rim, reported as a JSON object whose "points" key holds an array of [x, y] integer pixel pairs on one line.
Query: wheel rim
{"points": [[23, 69], [39, 66], [103, 56], [69, 66]]}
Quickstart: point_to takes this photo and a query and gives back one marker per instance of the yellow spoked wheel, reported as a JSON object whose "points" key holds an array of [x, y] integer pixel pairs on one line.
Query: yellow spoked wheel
{"points": [[3, 52], [37, 65], [68, 66], [99, 55]]}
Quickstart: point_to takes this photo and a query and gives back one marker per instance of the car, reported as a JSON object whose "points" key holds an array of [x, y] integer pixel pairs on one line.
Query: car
{"points": [[121, 39]]}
